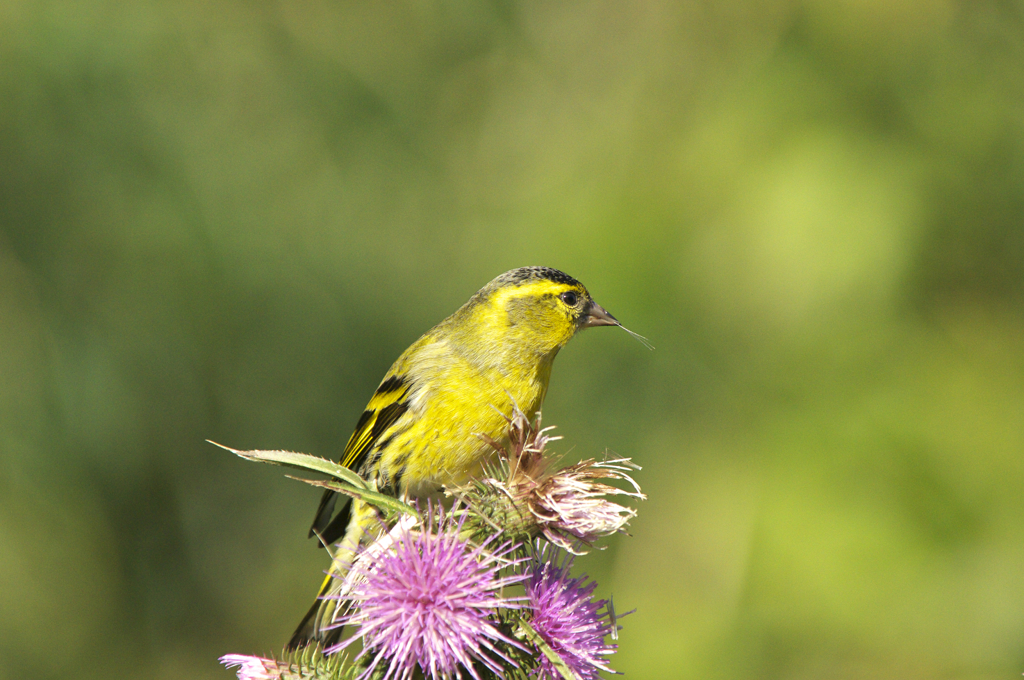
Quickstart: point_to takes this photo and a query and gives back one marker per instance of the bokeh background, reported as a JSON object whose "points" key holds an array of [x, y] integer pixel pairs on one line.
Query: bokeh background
{"points": [[224, 219]]}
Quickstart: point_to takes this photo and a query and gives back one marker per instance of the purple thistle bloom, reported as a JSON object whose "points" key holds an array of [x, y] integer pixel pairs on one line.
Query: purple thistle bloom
{"points": [[428, 601], [572, 624]]}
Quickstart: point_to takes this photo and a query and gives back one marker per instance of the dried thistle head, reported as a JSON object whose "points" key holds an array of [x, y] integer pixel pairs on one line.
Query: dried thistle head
{"points": [[523, 455], [569, 507]]}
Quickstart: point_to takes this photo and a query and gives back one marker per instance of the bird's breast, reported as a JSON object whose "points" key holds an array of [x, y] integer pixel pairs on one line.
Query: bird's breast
{"points": [[457, 410]]}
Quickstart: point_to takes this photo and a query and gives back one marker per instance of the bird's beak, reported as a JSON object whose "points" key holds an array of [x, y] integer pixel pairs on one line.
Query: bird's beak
{"points": [[597, 316]]}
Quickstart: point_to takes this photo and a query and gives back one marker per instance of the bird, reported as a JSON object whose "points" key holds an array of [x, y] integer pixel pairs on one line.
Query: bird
{"points": [[428, 423]]}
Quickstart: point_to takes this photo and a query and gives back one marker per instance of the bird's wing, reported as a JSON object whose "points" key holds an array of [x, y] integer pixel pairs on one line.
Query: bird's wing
{"points": [[386, 406], [388, 403]]}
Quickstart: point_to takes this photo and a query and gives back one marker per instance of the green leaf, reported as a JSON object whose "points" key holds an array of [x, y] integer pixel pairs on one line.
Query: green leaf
{"points": [[302, 461], [376, 498], [527, 632], [345, 481]]}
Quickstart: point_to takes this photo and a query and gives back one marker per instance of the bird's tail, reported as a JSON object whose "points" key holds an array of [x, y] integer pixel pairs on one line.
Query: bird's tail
{"points": [[318, 625], [308, 631]]}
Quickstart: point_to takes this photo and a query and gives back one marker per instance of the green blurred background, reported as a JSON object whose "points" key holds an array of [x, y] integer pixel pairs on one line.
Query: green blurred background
{"points": [[225, 219]]}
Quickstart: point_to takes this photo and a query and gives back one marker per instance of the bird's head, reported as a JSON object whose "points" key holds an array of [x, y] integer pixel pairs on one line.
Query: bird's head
{"points": [[538, 309]]}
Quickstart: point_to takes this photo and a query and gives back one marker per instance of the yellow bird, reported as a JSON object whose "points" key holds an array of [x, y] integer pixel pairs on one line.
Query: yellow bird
{"points": [[426, 425]]}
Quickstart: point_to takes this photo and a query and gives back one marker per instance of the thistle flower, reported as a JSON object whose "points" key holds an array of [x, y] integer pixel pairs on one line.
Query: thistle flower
{"points": [[252, 667], [568, 620], [568, 507], [427, 600], [425, 596], [571, 507]]}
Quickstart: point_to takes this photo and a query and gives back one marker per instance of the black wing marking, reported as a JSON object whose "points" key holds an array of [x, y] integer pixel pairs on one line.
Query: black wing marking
{"points": [[386, 406]]}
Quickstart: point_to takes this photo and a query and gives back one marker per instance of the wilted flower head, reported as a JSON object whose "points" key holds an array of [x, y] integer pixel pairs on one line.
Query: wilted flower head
{"points": [[252, 667], [425, 602], [570, 506], [568, 620]]}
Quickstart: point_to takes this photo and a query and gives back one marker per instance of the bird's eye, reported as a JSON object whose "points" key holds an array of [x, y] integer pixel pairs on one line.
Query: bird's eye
{"points": [[569, 298]]}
